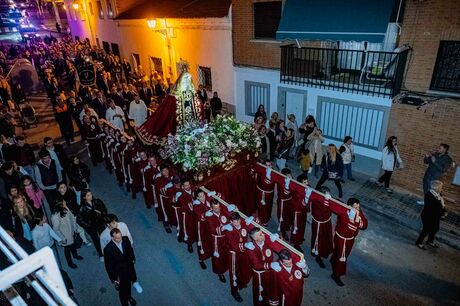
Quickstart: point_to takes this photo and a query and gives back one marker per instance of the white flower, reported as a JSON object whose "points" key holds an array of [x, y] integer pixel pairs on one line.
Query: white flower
{"points": [[198, 154]]}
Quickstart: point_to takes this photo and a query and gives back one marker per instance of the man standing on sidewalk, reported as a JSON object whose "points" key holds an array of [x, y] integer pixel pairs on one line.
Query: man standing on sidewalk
{"points": [[438, 164]]}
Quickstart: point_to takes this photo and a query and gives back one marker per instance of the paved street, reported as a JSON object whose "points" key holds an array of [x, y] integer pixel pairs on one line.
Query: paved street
{"points": [[385, 267]]}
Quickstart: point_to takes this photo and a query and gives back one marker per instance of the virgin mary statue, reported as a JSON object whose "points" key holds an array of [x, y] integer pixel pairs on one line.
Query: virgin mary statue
{"points": [[178, 108]]}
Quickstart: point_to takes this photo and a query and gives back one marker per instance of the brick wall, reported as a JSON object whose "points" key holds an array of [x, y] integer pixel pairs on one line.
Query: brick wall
{"points": [[245, 51], [421, 130]]}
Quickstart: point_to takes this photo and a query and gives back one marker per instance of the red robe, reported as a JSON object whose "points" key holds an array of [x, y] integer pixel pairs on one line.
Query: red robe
{"points": [[345, 232], [265, 193], [299, 218], [137, 174], [161, 185], [118, 162], [284, 211], [321, 226], [287, 287], [238, 263], [93, 134], [150, 174], [128, 159], [260, 259], [219, 248], [187, 232], [204, 241], [172, 206]]}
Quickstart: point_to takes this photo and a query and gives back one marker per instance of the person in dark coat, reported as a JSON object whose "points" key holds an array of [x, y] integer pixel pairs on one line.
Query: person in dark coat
{"points": [[216, 105], [92, 218], [119, 262], [260, 113], [146, 93], [432, 213], [79, 174], [21, 153], [332, 166], [438, 164], [9, 177], [99, 104], [64, 119]]}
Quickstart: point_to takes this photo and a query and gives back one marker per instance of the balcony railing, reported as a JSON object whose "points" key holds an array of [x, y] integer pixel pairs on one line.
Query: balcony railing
{"points": [[371, 73]]}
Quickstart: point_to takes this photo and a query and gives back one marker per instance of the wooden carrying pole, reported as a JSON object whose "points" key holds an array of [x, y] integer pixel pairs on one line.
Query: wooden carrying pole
{"points": [[305, 186], [263, 229]]}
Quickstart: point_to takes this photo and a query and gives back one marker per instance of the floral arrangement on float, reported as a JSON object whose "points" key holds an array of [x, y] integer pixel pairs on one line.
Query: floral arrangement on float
{"points": [[200, 147]]}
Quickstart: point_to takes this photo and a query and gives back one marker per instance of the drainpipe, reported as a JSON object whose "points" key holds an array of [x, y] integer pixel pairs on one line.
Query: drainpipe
{"points": [[397, 17]]}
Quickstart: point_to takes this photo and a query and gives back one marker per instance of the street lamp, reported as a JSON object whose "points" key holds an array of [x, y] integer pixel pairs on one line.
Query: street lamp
{"points": [[75, 6], [152, 23]]}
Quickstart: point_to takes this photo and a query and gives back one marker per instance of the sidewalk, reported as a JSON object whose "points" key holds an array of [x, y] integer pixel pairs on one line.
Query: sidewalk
{"points": [[400, 207]]}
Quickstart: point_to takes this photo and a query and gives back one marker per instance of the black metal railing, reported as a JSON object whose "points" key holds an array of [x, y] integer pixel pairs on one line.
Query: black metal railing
{"points": [[371, 73]]}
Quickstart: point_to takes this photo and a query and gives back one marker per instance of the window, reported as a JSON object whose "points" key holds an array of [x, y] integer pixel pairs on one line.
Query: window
{"points": [[204, 77], [106, 46], [255, 95], [446, 73], [91, 11], [115, 49], [110, 13], [267, 17], [100, 10], [156, 65], [77, 38]]}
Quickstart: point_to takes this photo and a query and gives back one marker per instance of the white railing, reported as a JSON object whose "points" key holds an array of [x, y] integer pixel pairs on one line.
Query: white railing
{"points": [[39, 269]]}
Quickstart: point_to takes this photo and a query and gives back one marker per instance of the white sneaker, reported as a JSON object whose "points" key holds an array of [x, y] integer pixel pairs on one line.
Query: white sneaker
{"points": [[101, 259], [138, 287], [420, 202]]}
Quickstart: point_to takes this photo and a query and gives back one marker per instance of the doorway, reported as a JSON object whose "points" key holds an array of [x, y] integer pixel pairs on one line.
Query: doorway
{"points": [[292, 101]]}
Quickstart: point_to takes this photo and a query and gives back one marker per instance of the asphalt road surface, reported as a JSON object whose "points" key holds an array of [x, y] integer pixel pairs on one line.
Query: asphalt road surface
{"points": [[385, 267]]}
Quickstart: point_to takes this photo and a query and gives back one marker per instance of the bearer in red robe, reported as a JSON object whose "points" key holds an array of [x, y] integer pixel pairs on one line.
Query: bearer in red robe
{"points": [[265, 192], [93, 135], [204, 244], [300, 210], [162, 184], [120, 146], [151, 173], [321, 226], [288, 280], [346, 230], [172, 205], [236, 234], [138, 165], [216, 218], [260, 254], [284, 211], [187, 231]]}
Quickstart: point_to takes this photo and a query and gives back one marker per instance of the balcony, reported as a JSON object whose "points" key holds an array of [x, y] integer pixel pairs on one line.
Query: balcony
{"points": [[371, 73]]}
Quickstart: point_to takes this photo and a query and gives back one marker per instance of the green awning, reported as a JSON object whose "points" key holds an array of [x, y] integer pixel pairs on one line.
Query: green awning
{"points": [[346, 20]]}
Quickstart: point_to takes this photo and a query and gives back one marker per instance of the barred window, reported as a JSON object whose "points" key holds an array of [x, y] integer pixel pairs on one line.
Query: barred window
{"points": [[255, 95], [446, 73]]}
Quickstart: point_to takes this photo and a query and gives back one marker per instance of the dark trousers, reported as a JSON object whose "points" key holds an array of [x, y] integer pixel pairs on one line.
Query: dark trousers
{"points": [[385, 178], [94, 234], [124, 289], [51, 197], [69, 252], [430, 228], [324, 178], [348, 169]]}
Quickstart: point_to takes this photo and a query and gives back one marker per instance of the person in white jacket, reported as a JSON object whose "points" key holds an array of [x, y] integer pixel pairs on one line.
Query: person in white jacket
{"points": [[348, 155], [112, 222], [390, 160], [137, 110], [115, 115]]}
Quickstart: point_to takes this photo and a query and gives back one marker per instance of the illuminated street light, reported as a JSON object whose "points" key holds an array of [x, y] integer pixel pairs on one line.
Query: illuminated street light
{"points": [[75, 6], [152, 23]]}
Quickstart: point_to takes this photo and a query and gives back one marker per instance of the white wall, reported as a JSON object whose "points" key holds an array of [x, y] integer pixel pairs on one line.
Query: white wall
{"points": [[272, 77]]}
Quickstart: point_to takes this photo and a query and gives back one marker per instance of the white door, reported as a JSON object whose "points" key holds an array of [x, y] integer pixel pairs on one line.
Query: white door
{"points": [[295, 105]]}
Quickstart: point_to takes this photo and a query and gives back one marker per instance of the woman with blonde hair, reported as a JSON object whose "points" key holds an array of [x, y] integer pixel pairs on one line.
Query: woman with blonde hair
{"points": [[332, 166], [23, 219], [432, 213]]}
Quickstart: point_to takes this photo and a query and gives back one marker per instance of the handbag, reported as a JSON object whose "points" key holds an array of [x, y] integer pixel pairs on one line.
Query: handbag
{"points": [[77, 241], [332, 175]]}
